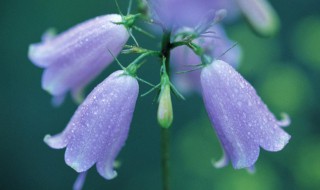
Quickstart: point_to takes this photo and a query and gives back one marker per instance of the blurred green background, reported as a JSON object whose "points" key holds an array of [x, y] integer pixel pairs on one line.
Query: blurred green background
{"points": [[285, 70]]}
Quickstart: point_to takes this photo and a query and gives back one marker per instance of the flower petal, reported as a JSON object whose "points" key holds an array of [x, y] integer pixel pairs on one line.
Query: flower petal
{"points": [[224, 160], [285, 121], [76, 56], [101, 123], [58, 141], [78, 184], [183, 58], [261, 16], [189, 12], [242, 121]]}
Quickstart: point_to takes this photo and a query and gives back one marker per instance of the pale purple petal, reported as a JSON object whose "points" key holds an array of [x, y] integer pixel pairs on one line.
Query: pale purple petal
{"points": [[99, 128], [76, 56], [78, 184], [183, 57], [58, 141], [187, 12], [229, 5], [242, 121], [224, 160], [285, 121], [261, 16]]}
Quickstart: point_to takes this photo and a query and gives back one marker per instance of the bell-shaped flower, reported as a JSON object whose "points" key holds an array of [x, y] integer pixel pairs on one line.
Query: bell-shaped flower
{"points": [[75, 57], [260, 15], [179, 13], [183, 58], [243, 123], [99, 128]]}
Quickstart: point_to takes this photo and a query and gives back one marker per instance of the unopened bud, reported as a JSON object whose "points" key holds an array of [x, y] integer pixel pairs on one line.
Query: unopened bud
{"points": [[261, 16], [165, 113]]}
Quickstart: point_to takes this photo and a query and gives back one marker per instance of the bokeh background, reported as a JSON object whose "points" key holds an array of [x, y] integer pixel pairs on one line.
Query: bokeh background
{"points": [[285, 70]]}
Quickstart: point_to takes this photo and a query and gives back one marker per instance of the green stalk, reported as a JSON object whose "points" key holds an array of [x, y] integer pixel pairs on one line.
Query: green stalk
{"points": [[165, 156], [165, 136]]}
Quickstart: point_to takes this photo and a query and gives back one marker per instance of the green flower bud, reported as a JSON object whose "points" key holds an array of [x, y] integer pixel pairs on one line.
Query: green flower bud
{"points": [[165, 113]]}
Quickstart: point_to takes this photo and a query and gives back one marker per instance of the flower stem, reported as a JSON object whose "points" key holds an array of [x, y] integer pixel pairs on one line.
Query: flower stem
{"points": [[165, 135], [165, 155], [166, 48]]}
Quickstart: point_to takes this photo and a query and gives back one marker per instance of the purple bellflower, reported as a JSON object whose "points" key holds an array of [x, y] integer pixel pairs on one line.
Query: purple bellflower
{"points": [[214, 46], [192, 37], [259, 13], [189, 12], [99, 128], [241, 120], [75, 57]]}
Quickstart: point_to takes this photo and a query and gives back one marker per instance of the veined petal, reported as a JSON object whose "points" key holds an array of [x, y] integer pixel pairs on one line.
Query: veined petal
{"points": [[58, 141], [183, 57], [75, 57], [189, 12], [224, 160], [78, 39], [100, 126], [285, 121], [242, 121]]}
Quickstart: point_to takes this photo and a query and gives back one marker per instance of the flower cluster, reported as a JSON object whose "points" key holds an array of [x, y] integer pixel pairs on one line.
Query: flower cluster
{"points": [[193, 37]]}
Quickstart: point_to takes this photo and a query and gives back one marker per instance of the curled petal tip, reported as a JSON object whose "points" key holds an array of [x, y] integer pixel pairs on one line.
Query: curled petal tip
{"points": [[76, 166], [31, 50], [223, 162], [46, 139], [109, 174], [105, 169], [56, 142], [285, 121], [49, 34], [33, 53]]}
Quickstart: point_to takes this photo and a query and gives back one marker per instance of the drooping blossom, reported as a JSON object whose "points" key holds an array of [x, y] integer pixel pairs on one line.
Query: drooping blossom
{"points": [[181, 13], [75, 57], [214, 46], [260, 15], [243, 123], [99, 128]]}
